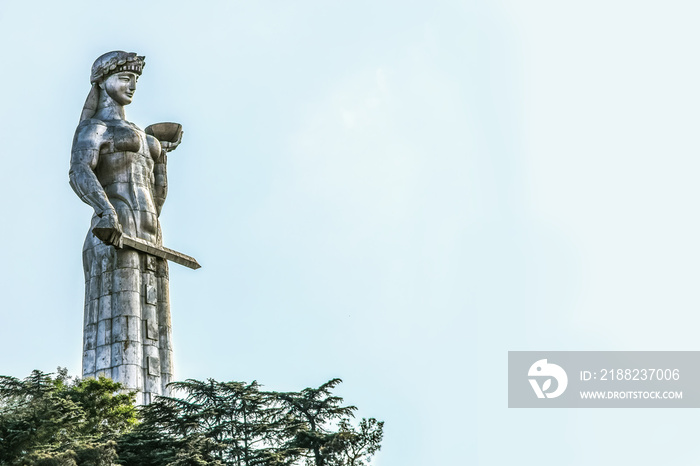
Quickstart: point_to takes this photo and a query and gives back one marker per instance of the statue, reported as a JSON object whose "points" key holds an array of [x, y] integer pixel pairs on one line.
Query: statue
{"points": [[121, 172]]}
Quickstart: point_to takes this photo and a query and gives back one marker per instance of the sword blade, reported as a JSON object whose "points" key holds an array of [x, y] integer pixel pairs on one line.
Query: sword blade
{"points": [[162, 252]]}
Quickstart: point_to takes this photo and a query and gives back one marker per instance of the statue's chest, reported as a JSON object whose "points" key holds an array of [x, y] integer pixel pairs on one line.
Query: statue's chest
{"points": [[127, 139], [126, 153]]}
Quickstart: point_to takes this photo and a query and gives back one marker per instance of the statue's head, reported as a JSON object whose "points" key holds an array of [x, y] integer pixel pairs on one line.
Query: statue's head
{"points": [[115, 74], [116, 62]]}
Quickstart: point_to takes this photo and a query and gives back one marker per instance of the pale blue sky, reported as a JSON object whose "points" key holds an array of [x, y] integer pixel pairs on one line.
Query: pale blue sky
{"points": [[394, 193]]}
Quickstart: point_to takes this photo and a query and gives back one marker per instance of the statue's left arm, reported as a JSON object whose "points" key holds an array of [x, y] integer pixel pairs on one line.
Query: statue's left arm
{"points": [[159, 152], [160, 172]]}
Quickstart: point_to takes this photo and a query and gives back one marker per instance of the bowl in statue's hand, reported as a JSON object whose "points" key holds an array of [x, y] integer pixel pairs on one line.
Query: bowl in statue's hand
{"points": [[169, 132]]}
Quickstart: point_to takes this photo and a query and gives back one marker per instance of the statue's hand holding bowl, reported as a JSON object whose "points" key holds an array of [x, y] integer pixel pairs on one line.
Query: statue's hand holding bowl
{"points": [[170, 146], [109, 230], [169, 134]]}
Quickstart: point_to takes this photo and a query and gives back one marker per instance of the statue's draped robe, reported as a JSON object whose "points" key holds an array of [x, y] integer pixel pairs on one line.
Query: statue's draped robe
{"points": [[127, 329]]}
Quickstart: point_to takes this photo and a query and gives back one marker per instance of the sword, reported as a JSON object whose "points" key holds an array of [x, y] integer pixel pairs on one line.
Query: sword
{"points": [[106, 233], [158, 251]]}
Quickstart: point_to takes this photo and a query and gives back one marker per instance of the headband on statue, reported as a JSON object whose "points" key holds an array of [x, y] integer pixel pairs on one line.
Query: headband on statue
{"points": [[116, 62]]}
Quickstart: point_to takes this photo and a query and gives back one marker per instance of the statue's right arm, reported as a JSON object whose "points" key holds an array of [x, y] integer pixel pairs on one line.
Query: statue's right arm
{"points": [[85, 154], [89, 137]]}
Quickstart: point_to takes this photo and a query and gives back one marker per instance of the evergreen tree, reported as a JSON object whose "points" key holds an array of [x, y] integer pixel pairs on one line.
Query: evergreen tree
{"points": [[355, 447], [234, 420], [48, 420], [56, 421], [309, 417]]}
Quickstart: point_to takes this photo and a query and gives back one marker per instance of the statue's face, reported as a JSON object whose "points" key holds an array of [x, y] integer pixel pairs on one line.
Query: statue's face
{"points": [[121, 86]]}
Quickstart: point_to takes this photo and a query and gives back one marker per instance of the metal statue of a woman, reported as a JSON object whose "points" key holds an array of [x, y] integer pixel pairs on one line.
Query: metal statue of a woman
{"points": [[120, 171]]}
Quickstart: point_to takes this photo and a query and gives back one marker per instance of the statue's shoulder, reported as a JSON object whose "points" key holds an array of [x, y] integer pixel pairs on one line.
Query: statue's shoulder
{"points": [[91, 123], [89, 134]]}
